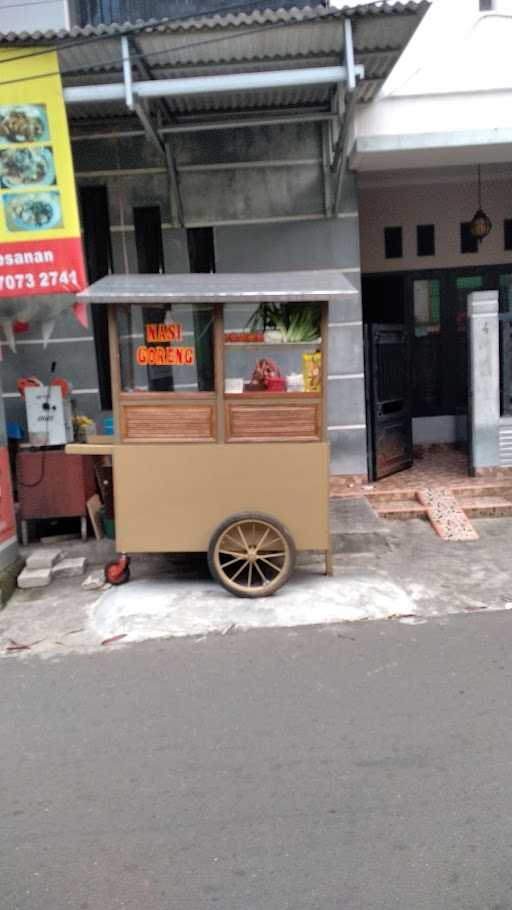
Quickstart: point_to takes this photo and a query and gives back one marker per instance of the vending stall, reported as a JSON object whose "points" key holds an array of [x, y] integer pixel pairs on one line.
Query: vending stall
{"points": [[219, 400]]}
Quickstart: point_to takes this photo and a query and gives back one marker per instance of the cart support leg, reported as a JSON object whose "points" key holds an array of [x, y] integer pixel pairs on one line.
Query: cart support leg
{"points": [[83, 527], [24, 532], [328, 561]]}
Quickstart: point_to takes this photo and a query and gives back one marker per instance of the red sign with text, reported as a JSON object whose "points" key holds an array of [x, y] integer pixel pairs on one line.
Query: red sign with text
{"points": [[41, 267]]}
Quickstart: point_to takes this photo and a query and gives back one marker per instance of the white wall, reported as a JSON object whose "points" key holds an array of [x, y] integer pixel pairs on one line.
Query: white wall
{"points": [[443, 197], [454, 77]]}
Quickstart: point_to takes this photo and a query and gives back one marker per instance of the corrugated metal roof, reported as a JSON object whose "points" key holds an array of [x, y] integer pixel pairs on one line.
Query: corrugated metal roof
{"points": [[240, 42], [322, 284], [219, 20]]}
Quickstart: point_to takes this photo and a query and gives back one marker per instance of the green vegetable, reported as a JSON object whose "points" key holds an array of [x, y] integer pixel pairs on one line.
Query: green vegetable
{"points": [[296, 322]]}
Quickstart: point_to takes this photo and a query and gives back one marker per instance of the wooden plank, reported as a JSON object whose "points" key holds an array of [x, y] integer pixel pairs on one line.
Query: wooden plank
{"points": [[90, 448], [218, 361], [273, 422], [168, 423], [115, 369], [94, 510], [324, 330]]}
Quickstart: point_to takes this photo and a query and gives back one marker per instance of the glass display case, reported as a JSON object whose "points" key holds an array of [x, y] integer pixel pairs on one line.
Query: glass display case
{"points": [[272, 348], [166, 348]]}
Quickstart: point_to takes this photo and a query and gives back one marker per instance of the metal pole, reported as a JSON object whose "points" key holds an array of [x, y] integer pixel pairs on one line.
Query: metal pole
{"points": [[127, 72], [339, 164], [349, 55], [247, 122], [200, 85]]}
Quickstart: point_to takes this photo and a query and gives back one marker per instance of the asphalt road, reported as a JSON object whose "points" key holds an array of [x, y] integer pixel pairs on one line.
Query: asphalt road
{"points": [[352, 767]]}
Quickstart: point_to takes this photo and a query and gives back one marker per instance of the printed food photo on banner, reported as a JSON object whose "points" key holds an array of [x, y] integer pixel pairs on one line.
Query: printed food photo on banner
{"points": [[40, 242], [32, 211], [23, 167], [23, 123]]}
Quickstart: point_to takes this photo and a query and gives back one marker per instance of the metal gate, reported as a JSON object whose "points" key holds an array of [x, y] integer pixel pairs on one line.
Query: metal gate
{"points": [[389, 399]]}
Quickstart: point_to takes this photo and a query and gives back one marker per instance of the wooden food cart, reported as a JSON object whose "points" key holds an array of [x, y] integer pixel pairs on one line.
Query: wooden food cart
{"points": [[220, 444]]}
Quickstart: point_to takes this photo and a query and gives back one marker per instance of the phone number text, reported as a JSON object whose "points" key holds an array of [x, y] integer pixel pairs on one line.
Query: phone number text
{"points": [[31, 280]]}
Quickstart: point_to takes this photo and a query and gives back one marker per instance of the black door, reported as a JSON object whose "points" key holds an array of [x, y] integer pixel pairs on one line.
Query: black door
{"points": [[389, 399]]}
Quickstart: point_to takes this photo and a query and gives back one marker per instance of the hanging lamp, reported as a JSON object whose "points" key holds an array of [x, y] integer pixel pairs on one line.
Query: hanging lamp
{"points": [[480, 225]]}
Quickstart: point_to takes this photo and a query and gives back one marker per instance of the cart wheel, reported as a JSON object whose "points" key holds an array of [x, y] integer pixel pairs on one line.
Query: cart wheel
{"points": [[117, 572], [251, 555]]}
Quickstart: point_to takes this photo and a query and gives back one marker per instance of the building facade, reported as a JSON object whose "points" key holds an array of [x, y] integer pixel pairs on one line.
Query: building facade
{"points": [[248, 177], [373, 170]]}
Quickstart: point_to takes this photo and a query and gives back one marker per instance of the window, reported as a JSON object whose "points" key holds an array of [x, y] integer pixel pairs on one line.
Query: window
{"points": [[393, 242], [98, 257], [148, 239], [468, 243], [507, 233], [166, 348], [425, 240], [201, 250]]}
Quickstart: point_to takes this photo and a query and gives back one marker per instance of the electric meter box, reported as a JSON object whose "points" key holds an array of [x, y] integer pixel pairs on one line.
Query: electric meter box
{"points": [[49, 416]]}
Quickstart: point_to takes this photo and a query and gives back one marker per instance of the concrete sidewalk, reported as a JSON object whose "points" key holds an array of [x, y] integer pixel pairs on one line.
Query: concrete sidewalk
{"points": [[382, 570]]}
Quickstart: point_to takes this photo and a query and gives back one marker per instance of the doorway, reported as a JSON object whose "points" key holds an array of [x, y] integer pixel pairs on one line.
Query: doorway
{"points": [[416, 360]]}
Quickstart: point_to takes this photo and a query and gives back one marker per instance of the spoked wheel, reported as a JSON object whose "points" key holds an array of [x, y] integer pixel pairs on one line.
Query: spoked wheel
{"points": [[251, 555]]}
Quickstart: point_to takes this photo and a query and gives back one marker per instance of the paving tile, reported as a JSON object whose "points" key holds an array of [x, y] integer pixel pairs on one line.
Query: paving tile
{"points": [[34, 578], [69, 568], [445, 514], [43, 558]]}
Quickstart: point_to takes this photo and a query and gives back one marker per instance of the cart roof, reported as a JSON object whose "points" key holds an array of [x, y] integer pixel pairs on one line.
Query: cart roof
{"points": [[324, 284]]}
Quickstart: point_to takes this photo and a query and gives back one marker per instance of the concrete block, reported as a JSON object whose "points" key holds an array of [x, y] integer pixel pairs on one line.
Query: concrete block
{"points": [[35, 578], [69, 568], [94, 581], [43, 559]]}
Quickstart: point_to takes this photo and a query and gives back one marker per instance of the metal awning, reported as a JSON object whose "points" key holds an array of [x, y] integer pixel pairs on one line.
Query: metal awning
{"points": [[232, 70], [278, 287], [259, 41]]}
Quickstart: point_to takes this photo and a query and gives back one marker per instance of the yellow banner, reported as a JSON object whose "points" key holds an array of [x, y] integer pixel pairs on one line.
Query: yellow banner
{"points": [[40, 247]]}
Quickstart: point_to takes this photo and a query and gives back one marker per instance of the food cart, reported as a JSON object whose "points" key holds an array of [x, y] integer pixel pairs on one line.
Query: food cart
{"points": [[219, 401]]}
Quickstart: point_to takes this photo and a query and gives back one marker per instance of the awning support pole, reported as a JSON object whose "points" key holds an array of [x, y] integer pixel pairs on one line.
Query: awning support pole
{"points": [[127, 73], [326, 167], [136, 104], [340, 157], [174, 183]]}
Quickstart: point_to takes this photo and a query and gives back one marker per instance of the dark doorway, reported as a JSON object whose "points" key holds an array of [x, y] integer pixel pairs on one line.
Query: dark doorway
{"points": [[201, 257], [201, 249], [147, 222], [98, 258], [384, 299], [431, 307]]}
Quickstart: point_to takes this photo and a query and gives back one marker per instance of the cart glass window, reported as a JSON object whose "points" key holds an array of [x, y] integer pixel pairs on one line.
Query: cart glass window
{"points": [[166, 348], [273, 347]]}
